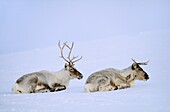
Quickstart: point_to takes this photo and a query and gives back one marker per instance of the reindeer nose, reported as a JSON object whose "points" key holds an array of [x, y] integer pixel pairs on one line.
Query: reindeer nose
{"points": [[80, 77], [146, 76]]}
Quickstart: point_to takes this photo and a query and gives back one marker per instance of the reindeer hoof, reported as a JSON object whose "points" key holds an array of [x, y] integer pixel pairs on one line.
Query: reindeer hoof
{"points": [[52, 90], [116, 88]]}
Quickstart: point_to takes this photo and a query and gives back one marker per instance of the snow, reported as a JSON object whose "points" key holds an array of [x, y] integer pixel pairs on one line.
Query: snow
{"points": [[146, 96], [106, 33]]}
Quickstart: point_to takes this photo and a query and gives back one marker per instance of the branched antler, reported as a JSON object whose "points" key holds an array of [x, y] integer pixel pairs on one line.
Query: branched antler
{"points": [[76, 59], [70, 48], [142, 63], [61, 49], [69, 60]]}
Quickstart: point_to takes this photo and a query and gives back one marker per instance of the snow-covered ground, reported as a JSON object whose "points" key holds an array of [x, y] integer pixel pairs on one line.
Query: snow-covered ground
{"points": [[150, 96]]}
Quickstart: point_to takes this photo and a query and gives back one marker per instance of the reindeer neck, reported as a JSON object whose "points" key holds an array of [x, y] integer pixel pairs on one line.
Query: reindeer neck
{"points": [[125, 72], [62, 73], [63, 76], [129, 74]]}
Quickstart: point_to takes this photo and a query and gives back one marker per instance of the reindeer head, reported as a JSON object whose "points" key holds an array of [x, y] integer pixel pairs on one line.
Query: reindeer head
{"points": [[70, 62], [139, 72]]}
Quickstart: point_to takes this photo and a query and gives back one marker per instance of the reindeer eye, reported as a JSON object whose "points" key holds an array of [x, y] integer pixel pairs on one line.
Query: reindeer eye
{"points": [[71, 69]]}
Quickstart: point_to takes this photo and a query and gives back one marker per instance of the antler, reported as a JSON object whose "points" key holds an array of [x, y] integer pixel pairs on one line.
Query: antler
{"points": [[142, 63], [75, 58], [69, 61], [61, 49]]}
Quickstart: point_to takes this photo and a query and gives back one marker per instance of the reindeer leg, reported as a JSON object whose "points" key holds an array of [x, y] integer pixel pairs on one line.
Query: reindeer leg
{"points": [[42, 88], [104, 84], [123, 86], [57, 87], [32, 84]]}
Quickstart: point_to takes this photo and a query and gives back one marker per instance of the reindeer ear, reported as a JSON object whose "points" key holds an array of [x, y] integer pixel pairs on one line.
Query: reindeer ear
{"points": [[132, 67], [66, 65]]}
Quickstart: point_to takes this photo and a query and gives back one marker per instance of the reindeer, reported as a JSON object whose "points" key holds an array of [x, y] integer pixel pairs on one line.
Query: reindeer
{"points": [[46, 81], [113, 79]]}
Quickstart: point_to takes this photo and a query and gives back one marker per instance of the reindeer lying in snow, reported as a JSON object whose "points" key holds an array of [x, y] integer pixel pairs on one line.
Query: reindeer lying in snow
{"points": [[46, 81], [113, 79]]}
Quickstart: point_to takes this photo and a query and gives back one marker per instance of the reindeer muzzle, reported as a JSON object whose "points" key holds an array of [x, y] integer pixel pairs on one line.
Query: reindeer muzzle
{"points": [[146, 76], [80, 76]]}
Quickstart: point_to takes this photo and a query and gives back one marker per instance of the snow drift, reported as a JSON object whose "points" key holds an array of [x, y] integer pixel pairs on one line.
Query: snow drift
{"points": [[150, 96]]}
